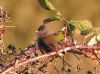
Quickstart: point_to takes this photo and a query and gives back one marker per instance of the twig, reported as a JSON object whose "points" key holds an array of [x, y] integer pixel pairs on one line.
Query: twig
{"points": [[48, 55]]}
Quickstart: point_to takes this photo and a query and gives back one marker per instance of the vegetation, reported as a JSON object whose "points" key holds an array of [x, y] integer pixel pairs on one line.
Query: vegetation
{"points": [[30, 60]]}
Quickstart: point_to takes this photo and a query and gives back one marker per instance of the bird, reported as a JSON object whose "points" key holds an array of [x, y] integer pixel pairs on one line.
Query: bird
{"points": [[47, 41]]}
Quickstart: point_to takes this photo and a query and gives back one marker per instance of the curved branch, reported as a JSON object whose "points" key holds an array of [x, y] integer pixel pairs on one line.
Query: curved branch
{"points": [[72, 49]]}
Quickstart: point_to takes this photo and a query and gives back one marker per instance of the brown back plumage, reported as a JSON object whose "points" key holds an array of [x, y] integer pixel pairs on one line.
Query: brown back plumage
{"points": [[46, 41], [51, 42]]}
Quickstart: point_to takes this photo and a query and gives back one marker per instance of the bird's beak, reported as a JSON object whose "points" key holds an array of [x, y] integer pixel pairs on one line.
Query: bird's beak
{"points": [[36, 32]]}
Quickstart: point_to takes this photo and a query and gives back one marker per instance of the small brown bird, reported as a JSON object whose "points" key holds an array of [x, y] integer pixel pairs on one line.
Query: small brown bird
{"points": [[46, 41]]}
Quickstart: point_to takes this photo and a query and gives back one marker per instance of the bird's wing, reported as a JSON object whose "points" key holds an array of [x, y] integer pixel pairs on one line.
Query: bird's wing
{"points": [[51, 42]]}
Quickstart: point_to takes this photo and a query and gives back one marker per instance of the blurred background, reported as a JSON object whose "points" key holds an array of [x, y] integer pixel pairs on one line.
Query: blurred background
{"points": [[28, 16]]}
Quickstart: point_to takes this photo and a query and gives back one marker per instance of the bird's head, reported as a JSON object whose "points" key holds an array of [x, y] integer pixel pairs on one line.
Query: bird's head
{"points": [[42, 31]]}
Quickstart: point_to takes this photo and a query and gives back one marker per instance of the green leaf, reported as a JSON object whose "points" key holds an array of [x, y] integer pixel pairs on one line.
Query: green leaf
{"points": [[72, 27], [82, 25], [51, 19], [85, 26], [59, 36], [46, 4], [86, 32]]}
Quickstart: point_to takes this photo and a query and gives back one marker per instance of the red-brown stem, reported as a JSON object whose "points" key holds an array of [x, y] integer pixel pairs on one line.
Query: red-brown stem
{"points": [[51, 54]]}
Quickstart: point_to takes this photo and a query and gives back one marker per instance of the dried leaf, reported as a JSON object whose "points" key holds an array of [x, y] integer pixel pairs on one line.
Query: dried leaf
{"points": [[92, 41]]}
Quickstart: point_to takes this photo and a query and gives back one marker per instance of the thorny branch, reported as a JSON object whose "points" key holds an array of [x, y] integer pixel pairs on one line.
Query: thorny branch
{"points": [[73, 49], [76, 49]]}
